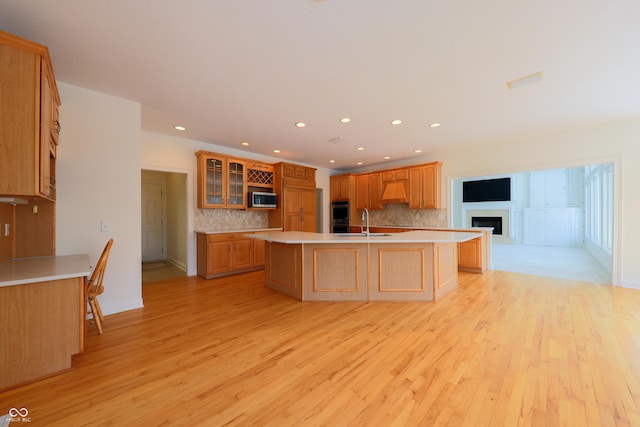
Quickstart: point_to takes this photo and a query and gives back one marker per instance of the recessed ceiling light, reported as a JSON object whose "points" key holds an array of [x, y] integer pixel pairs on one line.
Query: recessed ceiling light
{"points": [[345, 120], [387, 157], [434, 125], [359, 163], [360, 148], [300, 124], [332, 161], [276, 151], [180, 128], [418, 151], [396, 122], [531, 78], [245, 143]]}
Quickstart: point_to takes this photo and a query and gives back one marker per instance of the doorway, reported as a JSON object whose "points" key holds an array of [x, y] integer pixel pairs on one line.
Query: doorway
{"points": [[164, 225]]}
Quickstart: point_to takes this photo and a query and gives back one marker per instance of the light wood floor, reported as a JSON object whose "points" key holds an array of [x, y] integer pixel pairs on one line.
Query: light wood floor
{"points": [[504, 349]]}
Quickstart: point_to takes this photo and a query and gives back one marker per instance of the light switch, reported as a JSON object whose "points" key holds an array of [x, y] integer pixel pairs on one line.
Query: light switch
{"points": [[105, 227], [7, 229]]}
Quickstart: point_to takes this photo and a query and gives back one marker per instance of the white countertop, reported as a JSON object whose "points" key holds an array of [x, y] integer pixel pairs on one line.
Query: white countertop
{"points": [[404, 227], [295, 237], [43, 269], [244, 230]]}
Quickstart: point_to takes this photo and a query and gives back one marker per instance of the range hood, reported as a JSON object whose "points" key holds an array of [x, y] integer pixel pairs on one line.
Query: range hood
{"points": [[14, 201], [395, 192]]}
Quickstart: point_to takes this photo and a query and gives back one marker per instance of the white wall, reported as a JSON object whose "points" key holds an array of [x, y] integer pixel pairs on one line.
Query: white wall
{"points": [[98, 179]]}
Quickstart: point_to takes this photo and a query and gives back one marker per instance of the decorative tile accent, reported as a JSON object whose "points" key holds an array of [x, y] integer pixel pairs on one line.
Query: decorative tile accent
{"points": [[229, 219], [397, 214]]}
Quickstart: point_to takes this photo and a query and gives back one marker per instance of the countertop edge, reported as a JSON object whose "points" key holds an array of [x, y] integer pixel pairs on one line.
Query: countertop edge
{"points": [[243, 230]]}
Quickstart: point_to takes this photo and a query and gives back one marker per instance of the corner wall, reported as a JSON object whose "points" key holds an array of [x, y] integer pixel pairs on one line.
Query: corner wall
{"points": [[98, 179]]}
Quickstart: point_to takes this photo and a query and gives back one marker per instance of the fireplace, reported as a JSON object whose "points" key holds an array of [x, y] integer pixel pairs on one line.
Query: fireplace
{"points": [[496, 218], [488, 221]]}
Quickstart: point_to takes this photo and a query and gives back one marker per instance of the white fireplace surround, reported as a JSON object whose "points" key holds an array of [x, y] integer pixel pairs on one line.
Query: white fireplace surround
{"points": [[502, 213]]}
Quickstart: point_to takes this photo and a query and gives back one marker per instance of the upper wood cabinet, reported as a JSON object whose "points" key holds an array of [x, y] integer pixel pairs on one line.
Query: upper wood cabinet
{"points": [[424, 186], [295, 188], [29, 125], [221, 181], [343, 187], [395, 186], [368, 191]]}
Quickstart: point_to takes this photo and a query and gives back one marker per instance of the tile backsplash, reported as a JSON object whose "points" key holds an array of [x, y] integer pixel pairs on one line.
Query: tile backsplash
{"points": [[400, 215], [229, 219]]}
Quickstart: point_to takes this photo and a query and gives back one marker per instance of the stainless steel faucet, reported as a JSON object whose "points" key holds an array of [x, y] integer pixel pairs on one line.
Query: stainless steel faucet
{"points": [[365, 214]]}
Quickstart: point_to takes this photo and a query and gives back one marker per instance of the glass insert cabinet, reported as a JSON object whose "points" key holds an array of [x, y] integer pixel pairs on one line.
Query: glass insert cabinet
{"points": [[221, 182]]}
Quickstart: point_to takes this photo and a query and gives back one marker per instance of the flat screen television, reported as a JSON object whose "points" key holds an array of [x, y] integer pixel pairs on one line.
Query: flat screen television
{"points": [[487, 190]]}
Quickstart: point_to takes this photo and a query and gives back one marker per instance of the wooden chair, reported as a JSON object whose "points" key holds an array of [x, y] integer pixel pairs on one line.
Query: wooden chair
{"points": [[95, 288]]}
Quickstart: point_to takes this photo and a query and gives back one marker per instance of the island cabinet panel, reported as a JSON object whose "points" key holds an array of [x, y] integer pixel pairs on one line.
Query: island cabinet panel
{"points": [[445, 269], [335, 273], [283, 265], [401, 273]]}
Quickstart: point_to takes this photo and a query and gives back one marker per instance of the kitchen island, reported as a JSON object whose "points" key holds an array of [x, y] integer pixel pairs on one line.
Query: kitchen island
{"points": [[409, 266]]}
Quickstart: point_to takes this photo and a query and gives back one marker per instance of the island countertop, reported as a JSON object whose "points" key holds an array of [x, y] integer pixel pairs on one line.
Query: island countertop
{"points": [[423, 236]]}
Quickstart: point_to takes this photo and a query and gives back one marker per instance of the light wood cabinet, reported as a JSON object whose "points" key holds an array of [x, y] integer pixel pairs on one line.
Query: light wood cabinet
{"points": [[470, 255], [369, 191], [295, 188], [424, 186], [395, 186], [29, 125], [342, 187], [299, 209], [227, 253], [221, 181]]}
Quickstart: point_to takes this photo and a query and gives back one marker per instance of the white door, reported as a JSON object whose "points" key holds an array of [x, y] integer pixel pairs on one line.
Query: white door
{"points": [[152, 221]]}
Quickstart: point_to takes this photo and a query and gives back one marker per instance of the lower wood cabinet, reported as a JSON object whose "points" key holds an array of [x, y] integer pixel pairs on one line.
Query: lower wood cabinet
{"points": [[228, 253], [470, 255]]}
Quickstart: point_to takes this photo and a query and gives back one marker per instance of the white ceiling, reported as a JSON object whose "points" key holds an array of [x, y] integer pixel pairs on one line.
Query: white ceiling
{"points": [[247, 70]]}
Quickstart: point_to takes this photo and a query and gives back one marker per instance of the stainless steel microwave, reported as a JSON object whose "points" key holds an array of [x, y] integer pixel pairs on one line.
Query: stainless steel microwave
{"points": [[259, 199]]}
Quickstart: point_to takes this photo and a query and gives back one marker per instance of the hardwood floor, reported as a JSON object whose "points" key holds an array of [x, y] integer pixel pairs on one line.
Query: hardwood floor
{"points": [[503, 349]]}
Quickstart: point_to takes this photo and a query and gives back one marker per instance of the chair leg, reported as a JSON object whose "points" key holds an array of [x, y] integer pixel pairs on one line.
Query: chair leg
{"points": [[98, 309], [95, 315]]}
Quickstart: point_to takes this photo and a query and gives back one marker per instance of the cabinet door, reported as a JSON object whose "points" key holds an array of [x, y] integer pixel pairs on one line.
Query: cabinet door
{"points": [[308, 199], [213, 182], [375, 191], [362, 192], [236, 188], [241, 250], [535, 227], [415, 188], [219, 257], [469, 254], [430, 187], [334, 188], [46, 102]]}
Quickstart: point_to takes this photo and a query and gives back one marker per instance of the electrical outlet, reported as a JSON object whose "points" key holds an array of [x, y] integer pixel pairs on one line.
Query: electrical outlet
{"points": [[105, 227]]}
